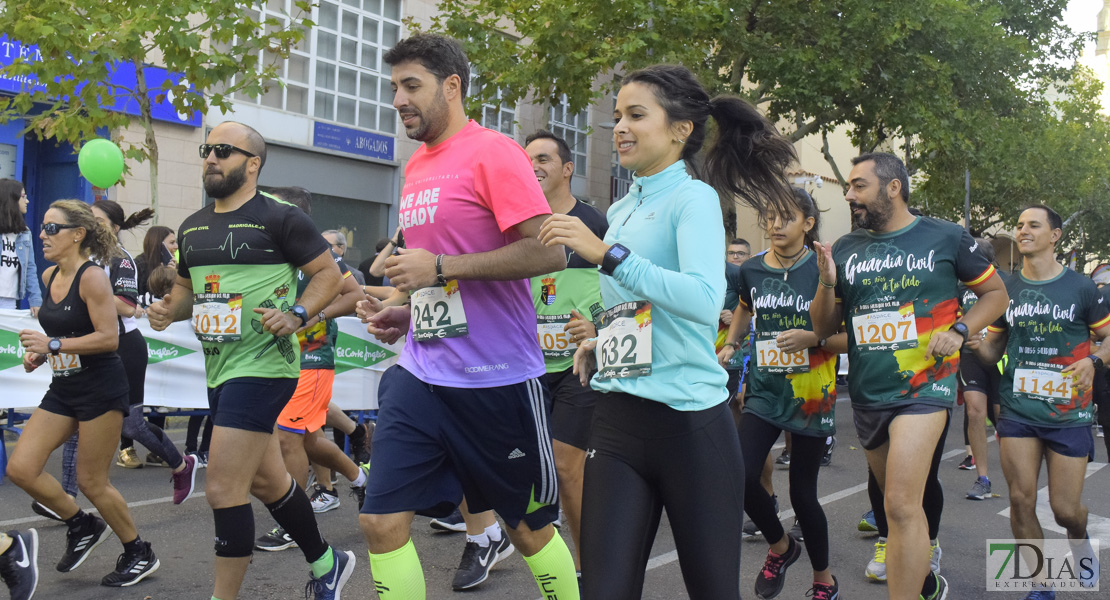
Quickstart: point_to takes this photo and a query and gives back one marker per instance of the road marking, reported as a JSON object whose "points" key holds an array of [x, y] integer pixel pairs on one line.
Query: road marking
{"points": [[137, 504], [1098, 527]]}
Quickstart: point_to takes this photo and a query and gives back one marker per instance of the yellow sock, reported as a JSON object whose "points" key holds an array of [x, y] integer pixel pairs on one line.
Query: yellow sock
{"points": [[397, 574], [553, 568]]}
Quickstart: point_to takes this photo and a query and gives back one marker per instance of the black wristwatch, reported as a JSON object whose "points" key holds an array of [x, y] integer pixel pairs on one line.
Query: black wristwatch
{"points": [[961, 329], [1099, 365], [614, 256], [299, 312], [440, 279], [55, 346]]}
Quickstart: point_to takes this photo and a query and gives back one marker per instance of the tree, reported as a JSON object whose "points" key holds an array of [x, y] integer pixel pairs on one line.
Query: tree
{"points": [[889, 69], [213, 48], [1052, 151]]}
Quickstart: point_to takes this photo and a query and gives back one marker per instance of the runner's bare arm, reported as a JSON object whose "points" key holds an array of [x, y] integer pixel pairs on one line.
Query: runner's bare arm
{"points": [[344, 304], [988, 349], [174, 306], [413, 269], [96, 292], [991, 304], [324, 284], [1084, 368], [741, 322], [824, 312]]}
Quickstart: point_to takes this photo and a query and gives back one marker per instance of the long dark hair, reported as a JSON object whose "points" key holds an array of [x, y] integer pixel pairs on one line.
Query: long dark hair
{"points": [[808, 207], [152, 245], [747, 160], [116, 215], [11, 219]]}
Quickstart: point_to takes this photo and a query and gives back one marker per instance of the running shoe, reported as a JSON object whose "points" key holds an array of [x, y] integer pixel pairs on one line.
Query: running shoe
{"points": [[749, 530], [19, 566], [825, 591], [452, 522], [324, 500], [867, 523], [942, 590], [772, 576], [830, 446], [129, 459], [796, 531], [980, 490], [876, 569], [131, 568], [185, 480], [330, 586], [934, 555], [274, 541], [967, 464], [360, 442], [41, 510], [783, 459], [202, 459], [359, 492], [155, 461], [81, 541], [1100, 432], [477, 561]]}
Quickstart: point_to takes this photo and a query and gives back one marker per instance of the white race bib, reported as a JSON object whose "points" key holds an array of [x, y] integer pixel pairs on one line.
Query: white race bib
{"points": [[64, 364], [218, 317], [888, 328], [769, 359], [554, 342], [1042, 384], [624, 342], [437, 313]]}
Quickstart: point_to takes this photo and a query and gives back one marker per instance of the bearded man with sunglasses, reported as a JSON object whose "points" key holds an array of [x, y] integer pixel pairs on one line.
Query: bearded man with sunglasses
{"points": [[237, 281]]}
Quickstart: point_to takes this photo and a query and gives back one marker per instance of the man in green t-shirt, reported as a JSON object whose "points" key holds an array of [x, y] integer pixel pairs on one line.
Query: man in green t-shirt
{"points": [[237, 281], [893, 284], [1046, 385]]}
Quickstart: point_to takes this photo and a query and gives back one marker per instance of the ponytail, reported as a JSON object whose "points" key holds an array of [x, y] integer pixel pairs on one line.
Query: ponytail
{"points": [[115, 214]]}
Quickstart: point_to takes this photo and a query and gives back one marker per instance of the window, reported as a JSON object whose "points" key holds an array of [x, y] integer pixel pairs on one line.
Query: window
{"points": [[500, 116], [575, 129], [335, 73], [620, 181]]}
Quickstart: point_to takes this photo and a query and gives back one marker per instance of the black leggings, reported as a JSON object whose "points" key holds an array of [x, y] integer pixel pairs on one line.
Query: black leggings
{"points": [[932, 501], [645, 457], [756, 438]]}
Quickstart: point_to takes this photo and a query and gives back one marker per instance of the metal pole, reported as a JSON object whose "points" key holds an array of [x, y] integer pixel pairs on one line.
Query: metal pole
{"points": [[967, 200]]}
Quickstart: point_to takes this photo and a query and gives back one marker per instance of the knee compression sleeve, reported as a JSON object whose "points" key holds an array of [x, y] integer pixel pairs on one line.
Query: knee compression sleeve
{"points": [[234, 531]]}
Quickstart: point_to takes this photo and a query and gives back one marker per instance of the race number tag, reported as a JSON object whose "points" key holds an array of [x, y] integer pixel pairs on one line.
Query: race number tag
{"points": [[886, 327], [769, 359], [624, 341], [1045, 384], [218, 317], [554, 342], [437, 312], [64, 364]]}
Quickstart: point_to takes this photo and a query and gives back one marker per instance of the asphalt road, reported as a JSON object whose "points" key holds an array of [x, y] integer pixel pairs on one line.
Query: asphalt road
{"points": [[182, 538]]}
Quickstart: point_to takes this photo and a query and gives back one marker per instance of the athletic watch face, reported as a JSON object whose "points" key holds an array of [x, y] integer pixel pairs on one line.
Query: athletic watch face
{"points": [[618, 252]]}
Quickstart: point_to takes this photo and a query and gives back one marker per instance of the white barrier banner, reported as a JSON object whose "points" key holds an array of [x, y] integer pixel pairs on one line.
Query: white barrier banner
{"points": [[175, 367]]}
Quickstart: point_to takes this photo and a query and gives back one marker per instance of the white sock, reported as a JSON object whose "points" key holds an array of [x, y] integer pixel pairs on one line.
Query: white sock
{"points": [[360, 480], [481, 539], [493, 532]]}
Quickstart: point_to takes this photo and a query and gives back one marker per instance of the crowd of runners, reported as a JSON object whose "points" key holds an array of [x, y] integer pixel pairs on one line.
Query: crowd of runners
{"points": [[614, 366]]}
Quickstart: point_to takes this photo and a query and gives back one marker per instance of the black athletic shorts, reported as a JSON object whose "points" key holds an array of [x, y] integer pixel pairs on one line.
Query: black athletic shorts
{"points": [[89, 394], [572, 408], [250, 403], [433, 444], [873, 425]]}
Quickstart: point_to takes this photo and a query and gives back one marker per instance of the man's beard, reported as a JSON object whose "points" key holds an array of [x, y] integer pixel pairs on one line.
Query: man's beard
{"points": [[226, 185], [877, 215]]}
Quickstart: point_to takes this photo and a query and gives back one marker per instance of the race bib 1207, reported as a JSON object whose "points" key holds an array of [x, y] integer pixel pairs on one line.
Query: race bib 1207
{"points": [[885, 327]]}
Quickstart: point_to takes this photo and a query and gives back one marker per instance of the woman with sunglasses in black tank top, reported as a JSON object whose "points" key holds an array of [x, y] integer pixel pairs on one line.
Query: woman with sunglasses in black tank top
{"points": [[88, 393]]}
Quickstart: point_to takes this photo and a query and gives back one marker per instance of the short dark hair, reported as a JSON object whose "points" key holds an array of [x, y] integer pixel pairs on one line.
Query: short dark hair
{"points": [[543, 134], [986, 249], [740, 242], [297, 196], [888, 168], [442, 56], [1054, 219]]}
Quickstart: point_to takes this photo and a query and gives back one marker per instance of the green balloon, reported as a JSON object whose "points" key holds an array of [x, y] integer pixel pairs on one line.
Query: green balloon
{"points": [[101, 162]]}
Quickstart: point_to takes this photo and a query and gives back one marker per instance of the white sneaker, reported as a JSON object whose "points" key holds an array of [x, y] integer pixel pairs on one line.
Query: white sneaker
{"points": [[876, 569], [323, 500]]}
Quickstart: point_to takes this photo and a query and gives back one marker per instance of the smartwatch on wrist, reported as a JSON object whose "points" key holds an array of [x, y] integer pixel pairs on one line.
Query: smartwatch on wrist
{"points": [[614, 256], [1099, 365], [961, 329], [440, 279], [299, 312], [55, 346]]}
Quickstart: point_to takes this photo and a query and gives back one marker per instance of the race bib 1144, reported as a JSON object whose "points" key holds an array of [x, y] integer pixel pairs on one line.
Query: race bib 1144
{"points": [[1044, 384]]}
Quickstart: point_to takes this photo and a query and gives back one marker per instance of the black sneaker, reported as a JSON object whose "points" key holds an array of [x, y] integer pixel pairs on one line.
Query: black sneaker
{"points": [[82, 541], [360, 442], [274, 541], [452, 522], [967, 464], [783, 459], [131, 568], [750, 529], [19, 566], [796, 530], [830, 446], [41, 510], [359, 492], [772, 577], [477, 561]]}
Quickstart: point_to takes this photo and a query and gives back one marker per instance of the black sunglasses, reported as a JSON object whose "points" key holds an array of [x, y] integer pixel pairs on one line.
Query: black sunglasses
{"points": [[222, 150], [55, 228]]}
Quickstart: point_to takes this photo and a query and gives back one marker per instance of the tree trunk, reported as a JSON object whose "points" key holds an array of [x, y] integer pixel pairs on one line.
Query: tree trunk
{"points": [[150, 141]]}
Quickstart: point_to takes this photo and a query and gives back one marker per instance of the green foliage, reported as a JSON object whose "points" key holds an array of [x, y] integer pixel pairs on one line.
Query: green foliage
{"points": [[80, 40], [1048, 152]]}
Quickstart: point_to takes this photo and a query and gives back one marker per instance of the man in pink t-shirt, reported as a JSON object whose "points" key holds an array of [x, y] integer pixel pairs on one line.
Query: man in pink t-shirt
{"points": [[463, 411]]}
